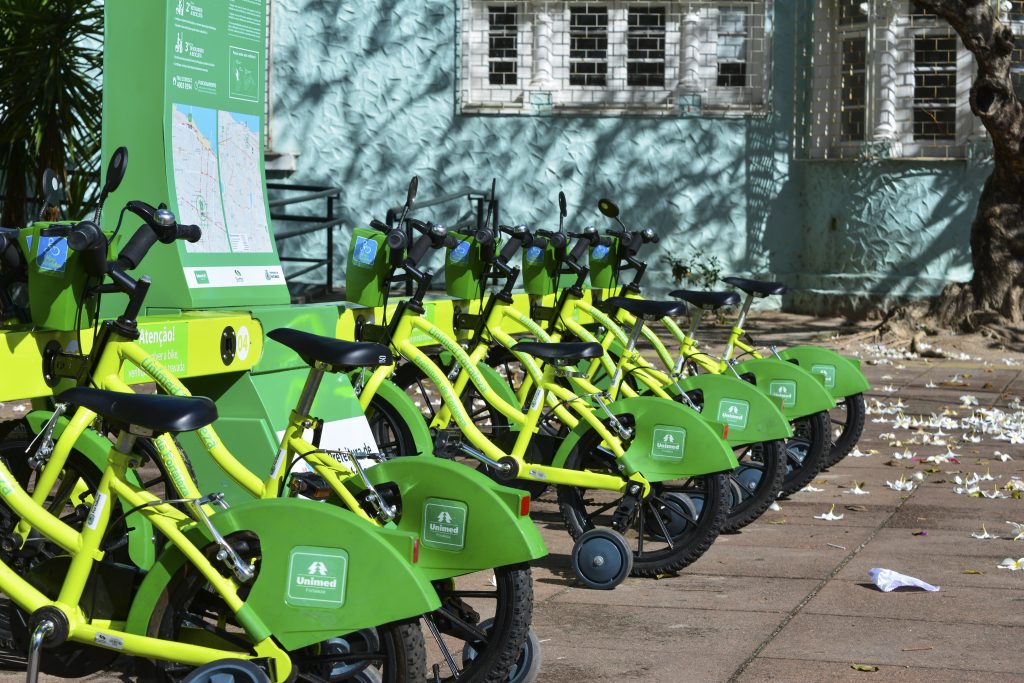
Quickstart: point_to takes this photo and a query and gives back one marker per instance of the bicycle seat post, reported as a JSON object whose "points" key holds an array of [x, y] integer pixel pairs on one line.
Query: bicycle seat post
{"points": [[316, 376], [738, 328]]}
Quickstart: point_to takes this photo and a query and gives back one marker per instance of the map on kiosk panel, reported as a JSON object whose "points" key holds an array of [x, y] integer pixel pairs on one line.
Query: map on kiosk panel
{"points": [[217, 179]]}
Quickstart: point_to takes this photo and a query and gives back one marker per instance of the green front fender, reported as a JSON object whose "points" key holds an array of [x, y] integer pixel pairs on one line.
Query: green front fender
{"points": [[465, 521], [97, 449], [841, 375], [375, 580], [798, 392], [750, 415], [392, 394], [671, 441]]}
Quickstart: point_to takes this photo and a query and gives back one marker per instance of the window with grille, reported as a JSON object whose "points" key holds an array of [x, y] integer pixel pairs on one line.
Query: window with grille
{"points": [[1014, 19], [935, 87], [882, 79], [588, 45], [502, 46], [618, 56], [645, 60]]}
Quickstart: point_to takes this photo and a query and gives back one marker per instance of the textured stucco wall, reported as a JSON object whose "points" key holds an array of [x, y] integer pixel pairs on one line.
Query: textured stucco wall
{"points": [[365, 93], [888, 228]]}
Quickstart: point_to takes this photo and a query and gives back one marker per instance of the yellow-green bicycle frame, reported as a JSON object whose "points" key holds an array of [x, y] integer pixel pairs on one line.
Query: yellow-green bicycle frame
{"points": [[556, 396]]}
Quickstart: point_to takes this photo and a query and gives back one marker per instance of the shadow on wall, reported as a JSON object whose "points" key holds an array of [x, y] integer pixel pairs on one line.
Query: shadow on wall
{"points": [[896, 228], [366, 94]]}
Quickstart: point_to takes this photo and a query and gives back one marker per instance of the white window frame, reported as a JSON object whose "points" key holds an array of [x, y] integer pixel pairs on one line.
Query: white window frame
{"points": [[549, 81], [899, 143]]}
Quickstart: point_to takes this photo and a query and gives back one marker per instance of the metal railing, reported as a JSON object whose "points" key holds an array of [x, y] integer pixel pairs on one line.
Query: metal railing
{"points": [[314, 222]]}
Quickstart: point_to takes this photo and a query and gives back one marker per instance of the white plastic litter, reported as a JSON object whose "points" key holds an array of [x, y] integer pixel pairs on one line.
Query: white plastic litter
{"points": [[887, 580]]}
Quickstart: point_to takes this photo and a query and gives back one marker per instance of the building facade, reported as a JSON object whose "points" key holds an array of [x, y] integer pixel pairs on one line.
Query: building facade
{"points": [[825, 143]]}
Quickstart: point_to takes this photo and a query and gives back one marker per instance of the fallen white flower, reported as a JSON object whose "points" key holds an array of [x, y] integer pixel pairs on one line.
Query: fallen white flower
{"points": [[1012, 564], [984, 534], [829, 516], [1018, 530], [901, 484], [811, 489], [857, 490], [1002, 456]]}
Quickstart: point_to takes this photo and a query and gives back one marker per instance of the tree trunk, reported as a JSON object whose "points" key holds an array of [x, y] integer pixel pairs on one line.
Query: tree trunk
{"points": [[997, 234]]}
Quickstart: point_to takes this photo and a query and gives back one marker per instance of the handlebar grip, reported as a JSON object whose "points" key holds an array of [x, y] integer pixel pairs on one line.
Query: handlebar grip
{"points": [[137, 248], [189, 233], [377, 225], [578, 250], [509, 249], [418, 250], [83, 236]]}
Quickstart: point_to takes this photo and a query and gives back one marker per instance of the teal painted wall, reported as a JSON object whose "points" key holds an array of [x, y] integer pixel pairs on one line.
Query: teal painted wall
{"points": [[365, 93]]}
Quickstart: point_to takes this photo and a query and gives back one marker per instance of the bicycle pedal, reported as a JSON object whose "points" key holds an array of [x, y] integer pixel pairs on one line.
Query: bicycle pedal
{"points": [[447, 444], [310, 485], [626, 512]]}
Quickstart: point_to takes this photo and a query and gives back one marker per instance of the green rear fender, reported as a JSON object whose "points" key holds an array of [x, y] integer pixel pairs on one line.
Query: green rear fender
{"points": [[392, 394], [750, 415], [671, 441], [465, 521], [304, 543], [97, 450], [841, 375], [798, 392]]}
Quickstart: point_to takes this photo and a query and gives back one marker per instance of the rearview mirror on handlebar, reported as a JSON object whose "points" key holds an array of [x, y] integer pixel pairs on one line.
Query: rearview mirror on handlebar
{"points": [[51, 188], [115, 172], [414, 185], [608, 208]]}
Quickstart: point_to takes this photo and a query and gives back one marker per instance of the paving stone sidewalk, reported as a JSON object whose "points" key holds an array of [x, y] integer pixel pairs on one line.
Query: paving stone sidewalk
{"points": [[789, 598]]}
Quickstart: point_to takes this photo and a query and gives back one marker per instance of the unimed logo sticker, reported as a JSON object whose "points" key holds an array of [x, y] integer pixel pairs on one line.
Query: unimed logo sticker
{"points": [[829, 373], [784, 389], [444, 524], [317, 577], [669, 443], [733, 412]]}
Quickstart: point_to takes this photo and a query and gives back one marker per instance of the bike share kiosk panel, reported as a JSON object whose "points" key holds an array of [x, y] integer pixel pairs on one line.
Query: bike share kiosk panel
{"points": [[184, 91]]}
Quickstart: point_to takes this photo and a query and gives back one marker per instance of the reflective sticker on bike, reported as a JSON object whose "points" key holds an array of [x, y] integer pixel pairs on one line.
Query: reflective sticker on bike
{"points": [[668, 443], [93, 520], [317, 577], [828, 371], [599, 253], [444, 524], [534, 255], [538, 399], [365, 252], [537, 474], [460, 253], [277, 464], [113, 642], [784, 389], [733, 412]]}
